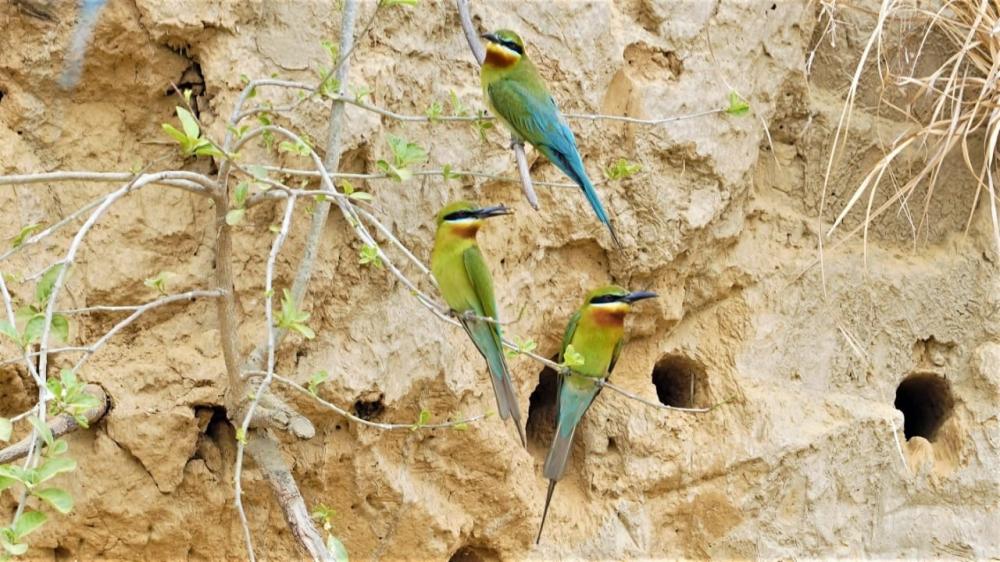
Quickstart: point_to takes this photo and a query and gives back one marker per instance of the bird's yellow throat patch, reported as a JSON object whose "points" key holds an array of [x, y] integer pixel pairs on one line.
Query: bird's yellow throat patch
{"points": [[500, 56]]}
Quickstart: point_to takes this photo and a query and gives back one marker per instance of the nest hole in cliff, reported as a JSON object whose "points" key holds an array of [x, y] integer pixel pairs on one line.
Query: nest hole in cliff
{"points": [[680, 381], [542, 410], [369, 409], [926, 402], [474, 554]]}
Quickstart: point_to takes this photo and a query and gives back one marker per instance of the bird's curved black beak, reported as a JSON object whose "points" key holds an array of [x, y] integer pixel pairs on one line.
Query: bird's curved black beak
{"points": [[639, 295], [490, 37], [491, 211]]}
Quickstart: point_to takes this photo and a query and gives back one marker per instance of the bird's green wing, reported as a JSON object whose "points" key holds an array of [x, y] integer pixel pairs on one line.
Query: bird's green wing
{"points": [[482, 281], [568, 335], [533, 115], [614, 356]]}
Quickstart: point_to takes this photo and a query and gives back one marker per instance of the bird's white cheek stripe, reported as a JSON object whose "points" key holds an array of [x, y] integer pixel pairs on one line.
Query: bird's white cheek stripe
{"points": [[469, 220]]}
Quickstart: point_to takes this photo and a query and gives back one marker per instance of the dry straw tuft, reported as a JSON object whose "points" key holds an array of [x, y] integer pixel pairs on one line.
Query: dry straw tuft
{"points": [[959, 105]]}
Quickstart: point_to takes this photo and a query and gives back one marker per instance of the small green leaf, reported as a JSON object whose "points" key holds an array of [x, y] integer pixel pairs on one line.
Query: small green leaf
{"points": [[12, 547], [178, 136], [323, 514], [188, 122], [23, 235], [336, 548], [60, 327], [448, 174], [572, 358], [369, 256], [422, 419], [291, 318], [159, 282], [523, 346], [482, 126], [317, 378], [405, 153], [45, 285], [17, 474], [33, 329], [6, 428], [434, 111], [391, 3], [241, 435], [622, 169], [361, 196], [57, 498], [10, 331], [331, 49], [737, 105], [6, 482], [298, 147], [241, 193], [42, 429], [460, 426], [28, 522], [59, 447], [361, 93], [457, 108], [235, 216], [51, 467]]}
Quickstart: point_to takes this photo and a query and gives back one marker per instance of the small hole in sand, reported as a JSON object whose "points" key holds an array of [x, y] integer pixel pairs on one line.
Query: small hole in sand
{"points": [[368, 409], [474, 554], [542, 409], [679, 381], [926, 402]]}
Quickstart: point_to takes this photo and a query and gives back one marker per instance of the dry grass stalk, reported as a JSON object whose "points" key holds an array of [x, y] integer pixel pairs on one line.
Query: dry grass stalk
{"points": [[963, 111]]}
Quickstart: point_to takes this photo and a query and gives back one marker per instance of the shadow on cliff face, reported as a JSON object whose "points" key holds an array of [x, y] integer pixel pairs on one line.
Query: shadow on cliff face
{"points": [[541, 424]]}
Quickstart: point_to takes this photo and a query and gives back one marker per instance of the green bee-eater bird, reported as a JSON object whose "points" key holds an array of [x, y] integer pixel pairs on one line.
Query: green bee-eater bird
{"points": [[467, 287], [516, 94], [595, 331]]}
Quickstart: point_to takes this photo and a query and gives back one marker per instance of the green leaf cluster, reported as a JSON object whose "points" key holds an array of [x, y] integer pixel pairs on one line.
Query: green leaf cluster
{"points": [[70, 397], [317, 378], [22, 236], [369, 256], [291, 318], [523, 346], [32, 316], [352, 193], [34, 480], [158, 282], [404, 155], [191, 141], [622, 169]]}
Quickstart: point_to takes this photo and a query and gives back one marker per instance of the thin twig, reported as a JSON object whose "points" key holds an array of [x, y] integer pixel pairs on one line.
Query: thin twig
{"points": [[378, 425]]}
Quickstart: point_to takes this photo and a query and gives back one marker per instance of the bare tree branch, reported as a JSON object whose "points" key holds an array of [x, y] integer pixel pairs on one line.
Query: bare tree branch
{"points": [[264, 450]]}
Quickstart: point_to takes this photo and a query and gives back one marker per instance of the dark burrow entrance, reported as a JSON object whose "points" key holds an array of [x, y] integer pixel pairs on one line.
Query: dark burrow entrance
{"points": [[926, 402], [474, 554], [541, 422], [680, 381]]}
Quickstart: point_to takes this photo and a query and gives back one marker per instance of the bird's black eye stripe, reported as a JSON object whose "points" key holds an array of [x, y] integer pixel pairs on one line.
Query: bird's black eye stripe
{"points": [[459, 215], [604, 299], [512, 46]]}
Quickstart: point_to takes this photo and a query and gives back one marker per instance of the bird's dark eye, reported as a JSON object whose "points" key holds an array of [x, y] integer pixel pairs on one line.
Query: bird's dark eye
{"points": [[512, 46], [604, 299], [459, 215]]}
